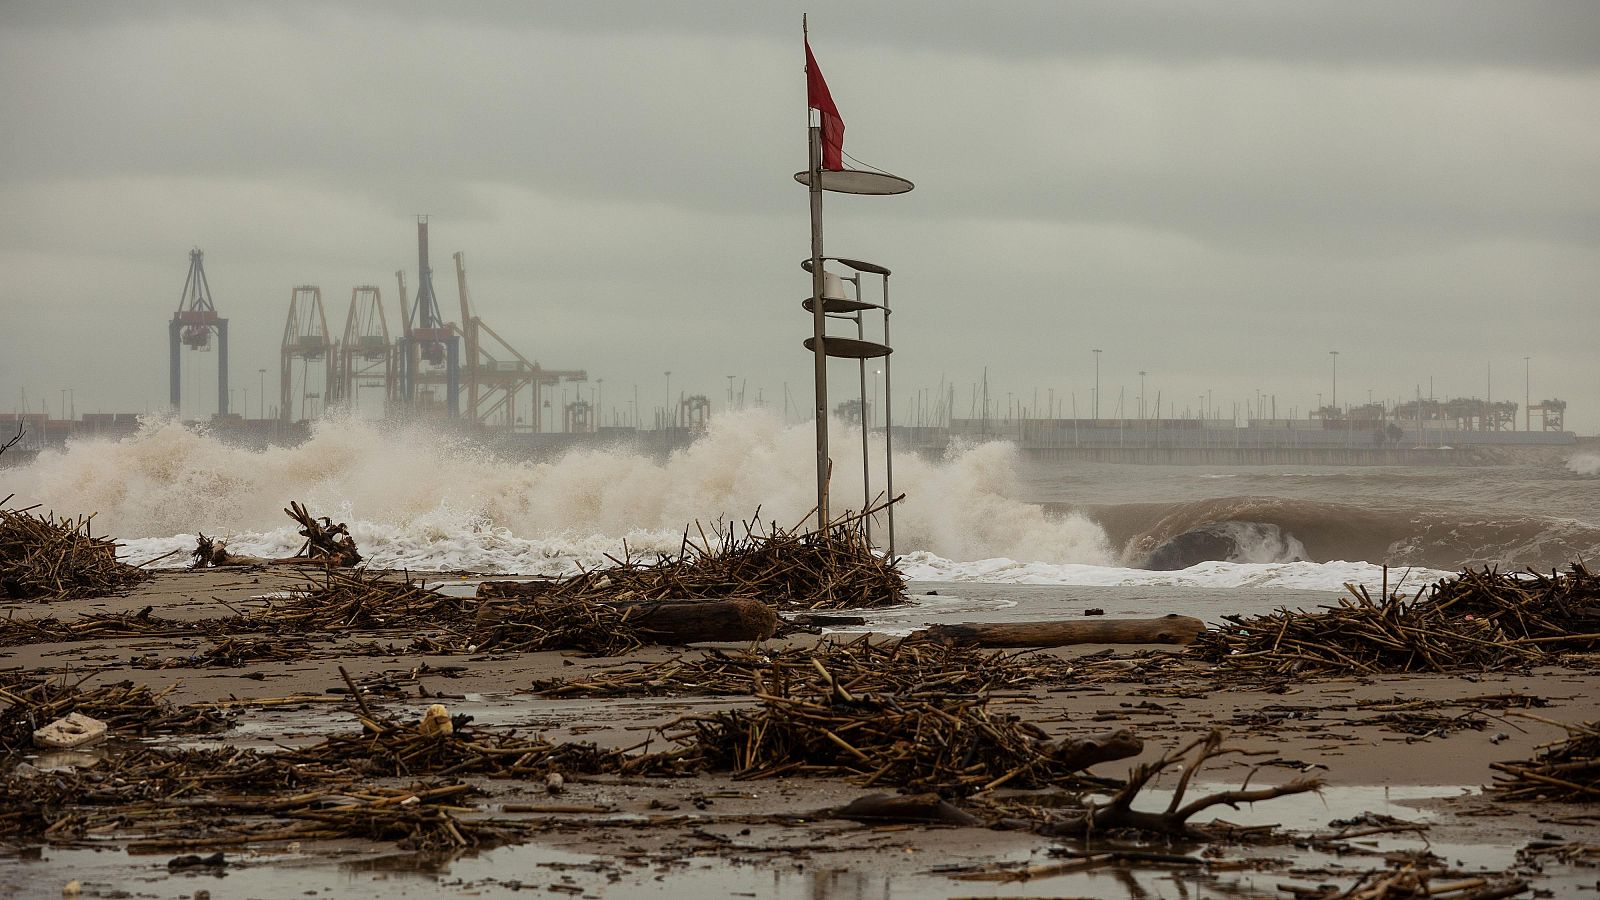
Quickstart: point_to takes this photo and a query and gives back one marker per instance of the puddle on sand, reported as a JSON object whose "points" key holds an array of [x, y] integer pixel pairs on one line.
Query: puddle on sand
{"points": [[535, 870], [265, 728]]}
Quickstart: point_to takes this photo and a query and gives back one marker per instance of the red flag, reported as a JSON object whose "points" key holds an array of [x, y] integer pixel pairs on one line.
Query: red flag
{"points": [[818, 98]]}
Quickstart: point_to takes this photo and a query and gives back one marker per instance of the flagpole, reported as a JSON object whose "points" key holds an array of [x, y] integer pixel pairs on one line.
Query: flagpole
{"points": [[818, 322]]}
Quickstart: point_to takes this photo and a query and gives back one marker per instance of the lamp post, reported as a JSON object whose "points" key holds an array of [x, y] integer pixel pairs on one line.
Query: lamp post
{"points": [[1334, 402], [1141, 394], [1097, 386], [263, 391], [667, 412], [1527, 394]]}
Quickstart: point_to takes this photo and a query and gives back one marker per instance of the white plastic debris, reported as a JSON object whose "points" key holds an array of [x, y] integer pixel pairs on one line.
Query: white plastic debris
{"points": [[70, 731], [554, 783]]}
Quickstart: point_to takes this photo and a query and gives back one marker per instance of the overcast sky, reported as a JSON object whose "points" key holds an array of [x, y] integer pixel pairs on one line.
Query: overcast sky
{"points": [[1215, 193]]}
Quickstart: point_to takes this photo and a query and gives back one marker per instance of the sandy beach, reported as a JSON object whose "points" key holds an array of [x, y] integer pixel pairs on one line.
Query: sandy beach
{"points": [[1415, 748]]}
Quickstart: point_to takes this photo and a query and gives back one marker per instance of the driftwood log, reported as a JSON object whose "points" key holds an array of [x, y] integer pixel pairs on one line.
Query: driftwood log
{"points": [[926, 808], [1118, 812], [526, 590], [1173, 629], [670, 621], [698, 621], [327, 544], [1081, 753]]}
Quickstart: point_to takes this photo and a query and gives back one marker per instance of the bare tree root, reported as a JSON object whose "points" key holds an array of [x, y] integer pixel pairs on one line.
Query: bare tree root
{"points": [[1118, 813]]}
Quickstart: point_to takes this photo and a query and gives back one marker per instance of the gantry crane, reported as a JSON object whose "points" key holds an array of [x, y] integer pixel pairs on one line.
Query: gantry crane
{"points": [[430, 350], [192, 326], [496, 373], [365, 353], [1552, 415], [306, 341]]}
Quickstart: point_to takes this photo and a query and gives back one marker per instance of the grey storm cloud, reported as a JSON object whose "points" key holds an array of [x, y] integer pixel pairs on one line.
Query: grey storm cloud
{"points": [[1217, 193]]}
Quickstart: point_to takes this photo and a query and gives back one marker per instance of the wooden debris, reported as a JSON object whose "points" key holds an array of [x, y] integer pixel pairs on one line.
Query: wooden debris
{"points": [[554, 623], [1410, 880], [131, 709], [1478, 621], [326, 544], [831, 569], [45, 558], [1567, 771], [860, 665], [1118, 813], [953, 746], [1172, 629], [929, 809]]}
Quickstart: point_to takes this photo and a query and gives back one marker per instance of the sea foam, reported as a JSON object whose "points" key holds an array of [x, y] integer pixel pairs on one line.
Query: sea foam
{"points": [[417, 498]]}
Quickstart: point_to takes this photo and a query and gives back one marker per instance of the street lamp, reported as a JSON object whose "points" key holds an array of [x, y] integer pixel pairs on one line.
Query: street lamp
{"points": [[1334, 402], [667, 412], [263, 388], [1141, 394], [1527, 394], [1097, 385]]}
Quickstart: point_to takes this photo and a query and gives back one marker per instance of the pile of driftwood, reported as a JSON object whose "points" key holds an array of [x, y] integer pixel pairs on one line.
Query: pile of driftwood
{"points": [[45, 558], [1476, 621], [337, 602], [860, 665], [1567, 771], [954, 746], [358, 600], [326, 544], [135, 710], [831, 569], [48, 629], [178, 800]]}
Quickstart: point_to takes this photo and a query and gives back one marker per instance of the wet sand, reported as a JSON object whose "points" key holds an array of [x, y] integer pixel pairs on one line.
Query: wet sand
{"points": [[677, 837]]}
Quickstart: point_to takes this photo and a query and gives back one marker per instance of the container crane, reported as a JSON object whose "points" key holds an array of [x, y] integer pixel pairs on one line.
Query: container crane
{"points": [[192, 327], [305, 340]]}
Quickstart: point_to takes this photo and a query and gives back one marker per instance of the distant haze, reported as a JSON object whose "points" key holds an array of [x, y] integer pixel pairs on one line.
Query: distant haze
{"points": [[1218, 194]]}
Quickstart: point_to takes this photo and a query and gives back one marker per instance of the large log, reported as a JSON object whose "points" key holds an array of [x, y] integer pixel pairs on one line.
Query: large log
{"points": [[669, 621], [1081, 753], [1173, 629], [497, 590], [697, 621]]}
